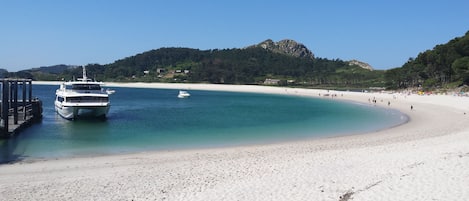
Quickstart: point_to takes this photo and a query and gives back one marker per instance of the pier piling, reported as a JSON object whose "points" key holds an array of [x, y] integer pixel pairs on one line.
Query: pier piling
{"points": [[16, 115]]}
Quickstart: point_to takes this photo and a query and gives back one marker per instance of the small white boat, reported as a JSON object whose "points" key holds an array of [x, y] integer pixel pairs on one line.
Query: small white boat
{"points": [[183, 94], [110, 91], [82, 98]]}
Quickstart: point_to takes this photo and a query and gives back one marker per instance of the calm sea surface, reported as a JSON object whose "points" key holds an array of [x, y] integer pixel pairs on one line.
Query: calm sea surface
{"points": [[155, 119]]}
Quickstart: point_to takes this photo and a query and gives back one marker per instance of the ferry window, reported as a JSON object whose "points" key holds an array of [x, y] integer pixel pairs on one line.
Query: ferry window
{"points": [[88, 99], [86, 87]]}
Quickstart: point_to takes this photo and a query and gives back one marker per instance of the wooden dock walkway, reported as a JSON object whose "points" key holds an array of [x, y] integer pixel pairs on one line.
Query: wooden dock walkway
{"points": [[17, 114]]}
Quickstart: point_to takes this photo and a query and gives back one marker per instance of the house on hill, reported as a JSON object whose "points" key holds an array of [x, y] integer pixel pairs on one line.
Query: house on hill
{"points": [[269, 81]]}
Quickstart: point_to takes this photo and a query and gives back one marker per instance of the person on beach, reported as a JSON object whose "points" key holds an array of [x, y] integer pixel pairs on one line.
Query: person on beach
{"points": [[411, 107]]}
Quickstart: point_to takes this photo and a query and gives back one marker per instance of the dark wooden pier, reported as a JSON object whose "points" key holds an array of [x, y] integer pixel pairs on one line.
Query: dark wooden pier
{"points": [[18, 108]]}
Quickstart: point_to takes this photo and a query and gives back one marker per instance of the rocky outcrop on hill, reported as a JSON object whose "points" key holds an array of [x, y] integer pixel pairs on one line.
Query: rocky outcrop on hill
{"points": [[288, 47], [361, 64]]}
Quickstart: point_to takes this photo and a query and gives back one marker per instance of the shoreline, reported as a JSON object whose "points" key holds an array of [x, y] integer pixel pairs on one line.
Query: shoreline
{"points": [[426, 158]]}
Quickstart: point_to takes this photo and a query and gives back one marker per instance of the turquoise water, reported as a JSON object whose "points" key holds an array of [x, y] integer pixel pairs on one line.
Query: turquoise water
{"points": [[155, 119]]}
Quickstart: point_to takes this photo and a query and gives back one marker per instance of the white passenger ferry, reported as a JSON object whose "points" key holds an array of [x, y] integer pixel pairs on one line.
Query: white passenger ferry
{"points": [[82, 98]]}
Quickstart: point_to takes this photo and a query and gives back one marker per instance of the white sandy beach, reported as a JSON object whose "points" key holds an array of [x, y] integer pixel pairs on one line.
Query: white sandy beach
{"points": [[424, 159]]}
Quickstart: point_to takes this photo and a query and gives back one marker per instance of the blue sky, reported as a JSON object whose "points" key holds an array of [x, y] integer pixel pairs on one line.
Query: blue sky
{"points": [[384, 34]]}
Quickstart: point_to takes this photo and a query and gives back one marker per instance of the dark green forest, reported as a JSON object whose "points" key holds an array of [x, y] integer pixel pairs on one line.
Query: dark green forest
{"points": [[230, 66], [445, 66], [237, 66]]}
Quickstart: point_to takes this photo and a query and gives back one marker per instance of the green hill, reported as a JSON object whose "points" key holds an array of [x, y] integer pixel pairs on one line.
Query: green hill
{"points": [[237, 66], [280, 63], [446, 65]]}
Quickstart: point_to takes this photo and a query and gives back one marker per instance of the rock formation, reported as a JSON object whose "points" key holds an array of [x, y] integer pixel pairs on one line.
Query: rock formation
{"points": [[288, 47]]}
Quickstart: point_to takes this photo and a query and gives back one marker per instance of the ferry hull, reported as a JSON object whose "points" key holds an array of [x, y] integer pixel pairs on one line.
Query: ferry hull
{"points": [[74, 112]]}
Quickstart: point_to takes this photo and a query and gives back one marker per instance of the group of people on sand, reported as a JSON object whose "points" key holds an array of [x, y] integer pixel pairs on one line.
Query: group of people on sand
{"points": [[373, 100], [389, 102]]}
